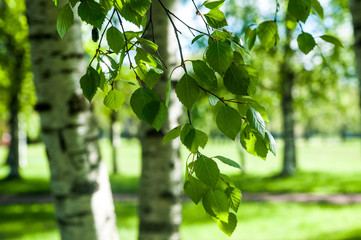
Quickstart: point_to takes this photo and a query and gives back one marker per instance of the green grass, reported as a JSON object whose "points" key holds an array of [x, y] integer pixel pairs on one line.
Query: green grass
{"points": [[326, 166], [264, 221]]}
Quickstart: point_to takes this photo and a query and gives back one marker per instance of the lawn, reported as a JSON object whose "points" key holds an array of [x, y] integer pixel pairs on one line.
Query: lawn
{"points": [[265, 221], [325, 166]]}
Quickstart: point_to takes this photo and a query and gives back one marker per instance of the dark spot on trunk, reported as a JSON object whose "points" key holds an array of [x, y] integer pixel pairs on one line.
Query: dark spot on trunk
{"points": [[84, 188], [42, 107], [43, 36], [168, 196], [156, 227], [153, 133], [67, 71], [62, 142], [46, 74], [77, 104], [72, 55]]}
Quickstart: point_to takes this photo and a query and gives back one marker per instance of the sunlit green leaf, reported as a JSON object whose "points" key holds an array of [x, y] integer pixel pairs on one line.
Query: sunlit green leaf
{"points": [[194, 189], [205, 75], [89, 83], [114, 99], [91, 12], [228, 161], [271, 143], [306, 42], [256, 121], [187, 91], [300, 9], [317, 8], [219, 56], [267, 34], [229, 121], [65, 20], [331, 39], [172, 134], [229, 226], [140, 6], [253, 142], [215, 202], [215, 18], [115, 39], [206, 170], [235, 197], [213, 3]]}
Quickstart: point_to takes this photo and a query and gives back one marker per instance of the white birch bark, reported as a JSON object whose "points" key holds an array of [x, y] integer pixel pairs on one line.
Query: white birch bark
{"points": [[79, 181], [160, 185]]}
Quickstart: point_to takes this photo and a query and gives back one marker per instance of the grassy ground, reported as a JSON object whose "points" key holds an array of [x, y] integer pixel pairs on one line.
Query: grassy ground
{"points": [[326, 166], [266, 221]]}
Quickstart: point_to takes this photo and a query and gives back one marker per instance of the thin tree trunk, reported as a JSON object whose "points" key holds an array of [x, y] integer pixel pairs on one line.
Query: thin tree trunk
{"points": [[79, 180], [287, 82], [355, 7], [115, 140], [160, 185], [13, 159]]}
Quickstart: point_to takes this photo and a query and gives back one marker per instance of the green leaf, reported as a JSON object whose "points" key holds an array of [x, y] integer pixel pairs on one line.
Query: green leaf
{"points": [[228, 161], [115, 39], [253, 142], [267, 34], [73, 2], [215, 18], [235, 197], [210, 4], [238, 58], [155, 113], [65, 20], [146, 57], [140, 98], [249, 102], [187, 91], [150, 44], [300, 9], [92, 13], [237, 80], [317, 8], [306, 42], [106, 4], [215, 202], [140, 6], [193, 138], [55, 2], [172, 134], [219, 56], [204, 74], [89, 83], [271, 143], [207, 171], [197, 37], [131, 15], [150, 75], [229, 226], [331, 39], [250, 36], [194, 189], [114, 99], [256, 121], [213, 100], [229, 121]]}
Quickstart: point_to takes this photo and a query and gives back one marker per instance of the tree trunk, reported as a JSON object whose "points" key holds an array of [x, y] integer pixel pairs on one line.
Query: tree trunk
{"points": [[160, 185], [287, 81], [79, 180], [355, 7], [114, 140]]}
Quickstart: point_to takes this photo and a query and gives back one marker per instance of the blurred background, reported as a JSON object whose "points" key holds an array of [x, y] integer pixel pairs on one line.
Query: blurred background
{"points": [[313, 112]]}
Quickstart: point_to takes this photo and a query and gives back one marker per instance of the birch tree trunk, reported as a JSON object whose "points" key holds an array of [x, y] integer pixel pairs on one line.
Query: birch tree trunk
{"points": [[79, 180], [355, 8], [287, 81], [160, 185]]}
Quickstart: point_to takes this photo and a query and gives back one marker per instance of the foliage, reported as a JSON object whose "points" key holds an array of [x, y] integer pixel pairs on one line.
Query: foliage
{"points": [[223, 57]]}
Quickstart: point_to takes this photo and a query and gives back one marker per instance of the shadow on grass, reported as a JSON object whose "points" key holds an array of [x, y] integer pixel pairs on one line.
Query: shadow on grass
{"points": [[25, 186], [302, 182]]}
